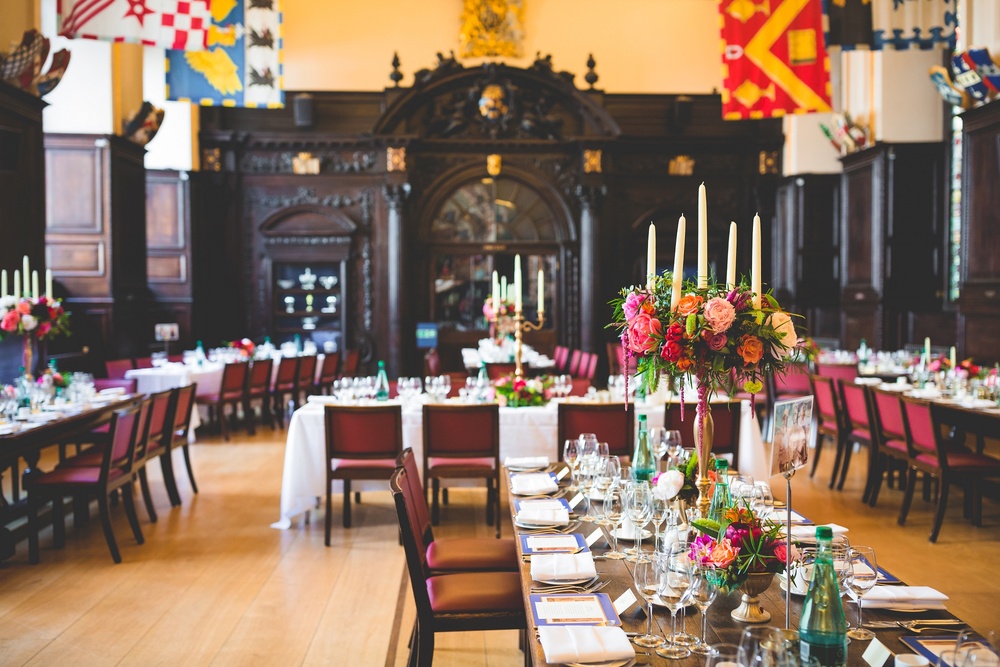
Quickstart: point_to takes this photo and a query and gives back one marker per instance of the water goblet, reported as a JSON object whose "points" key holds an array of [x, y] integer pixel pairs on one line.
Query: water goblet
{"points": [[585, 481], [722, 655], [762, 645], [704, 590], [659, 508], [675, 449], [638, 510], [657, 445], [647, 575], [860, 580], [763, 501], [445, 385], [675, 593], [571, 457], [614, 512]]}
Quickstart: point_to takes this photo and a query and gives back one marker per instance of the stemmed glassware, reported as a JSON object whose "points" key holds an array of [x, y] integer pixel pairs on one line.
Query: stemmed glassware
{"points": [[657, 445], [614, 513], [675, 591], [764, 646], [571, 457], [588, 472], [862, 578], [704, 590], [763, 501], [675, 449], [659, 508], [609, 474], [722, 655], [638, 509], [648, 574]]}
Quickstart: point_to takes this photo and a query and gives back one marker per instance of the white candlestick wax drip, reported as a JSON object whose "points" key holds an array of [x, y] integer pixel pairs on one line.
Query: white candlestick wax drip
{"points": [[731, 263], [755, 284], [651, 257]]}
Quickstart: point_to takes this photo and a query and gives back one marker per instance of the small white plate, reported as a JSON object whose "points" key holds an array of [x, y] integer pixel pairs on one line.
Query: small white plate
{"points": [[646, 534], [610, 663], [796, 593], [532, 526], [564, 582]]}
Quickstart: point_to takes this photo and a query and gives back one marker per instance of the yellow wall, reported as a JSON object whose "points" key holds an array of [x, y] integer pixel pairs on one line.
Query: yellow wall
{"points": [[641, 46], [17, 16]]}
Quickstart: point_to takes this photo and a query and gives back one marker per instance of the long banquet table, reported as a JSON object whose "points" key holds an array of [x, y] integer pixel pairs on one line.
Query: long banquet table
{"points": [[721, 627], [523, 432]]}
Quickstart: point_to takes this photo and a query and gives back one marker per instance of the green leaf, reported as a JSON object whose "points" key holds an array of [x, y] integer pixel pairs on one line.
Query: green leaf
{"points": [[707, 526]]}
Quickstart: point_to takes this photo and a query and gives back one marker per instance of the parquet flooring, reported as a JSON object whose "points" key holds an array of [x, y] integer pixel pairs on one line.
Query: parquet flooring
{"points": [[215, 585]]}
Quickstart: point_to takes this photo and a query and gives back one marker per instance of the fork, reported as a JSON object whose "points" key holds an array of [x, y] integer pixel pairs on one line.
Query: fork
{"points": [[592, 588]]}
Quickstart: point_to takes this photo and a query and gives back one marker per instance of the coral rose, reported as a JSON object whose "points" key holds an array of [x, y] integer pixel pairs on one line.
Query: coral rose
{"points": [[10, 321], [716, 341], [783, 326], [723, 553], [641, 332], [631, 306], [750, 348], [689, 305], [719, 314]]}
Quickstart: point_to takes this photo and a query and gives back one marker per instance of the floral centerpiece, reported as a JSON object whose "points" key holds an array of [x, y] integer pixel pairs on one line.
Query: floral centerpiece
{"points": [[245, 346], [500, 317], [515, 392], [34, 319]]}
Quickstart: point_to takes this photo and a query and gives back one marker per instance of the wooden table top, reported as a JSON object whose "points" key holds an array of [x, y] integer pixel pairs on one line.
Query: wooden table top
{"points": [[721, 627]]}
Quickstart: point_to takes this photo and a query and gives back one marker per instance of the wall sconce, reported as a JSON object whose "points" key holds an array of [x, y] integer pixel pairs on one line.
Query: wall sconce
{"points": [[493, 165], [395, 159]]}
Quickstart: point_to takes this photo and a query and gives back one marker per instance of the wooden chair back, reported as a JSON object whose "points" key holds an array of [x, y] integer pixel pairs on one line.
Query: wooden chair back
{"points": [[116, 368], [331, 367], [363, 432], [561, 358], [574, 363], [495, 371], [613, 423], [260, 377], [234, 381], [350, 364], [288, 369]]}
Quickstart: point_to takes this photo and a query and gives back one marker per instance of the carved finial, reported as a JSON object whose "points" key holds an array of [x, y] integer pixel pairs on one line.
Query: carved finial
{"points": [[396, 76], [591, 76]]}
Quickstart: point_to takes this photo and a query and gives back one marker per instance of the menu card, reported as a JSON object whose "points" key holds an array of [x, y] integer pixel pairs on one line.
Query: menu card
{"points": [[586, 609], [540, 504], [551, 544]]}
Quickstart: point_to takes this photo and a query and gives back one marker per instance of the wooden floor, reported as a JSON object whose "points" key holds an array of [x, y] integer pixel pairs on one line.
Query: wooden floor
{"points": [[215, 585]]}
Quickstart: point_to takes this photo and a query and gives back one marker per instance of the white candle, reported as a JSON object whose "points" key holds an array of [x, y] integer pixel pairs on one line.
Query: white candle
{"points": [[678, 276], [517, 283], [26, 273], [48, 283], [651, 257], [951, 356], [17, 284], [702, 238], [541, 292], [755, 262], [927, 350], [731, 263], [496, 293], [3, 282], [503, 288], [34, 285]]}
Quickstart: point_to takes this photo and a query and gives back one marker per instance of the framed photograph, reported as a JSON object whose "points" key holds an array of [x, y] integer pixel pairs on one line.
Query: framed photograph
{"points": [[166, 331], [792, 422]]}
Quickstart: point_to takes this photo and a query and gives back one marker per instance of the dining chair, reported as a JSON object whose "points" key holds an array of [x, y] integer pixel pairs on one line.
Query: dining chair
{"points": [[560, 356], [283, 388], [725, 416], [454, 554], [181, 427], [115, 368], [113, 473], [432, 362], [349, 366], [829, 416], [259, 389], [574, 363], [362, 442], [792, 383], [613, 423], [143, 362], [453, 602], [129, 386], [845, 372], [328, 372], [497, 370], [305, 378], [891, 453], [232, 392], [159, 445], [462, 442], [858, 424], [588, 366], [950, 463]]}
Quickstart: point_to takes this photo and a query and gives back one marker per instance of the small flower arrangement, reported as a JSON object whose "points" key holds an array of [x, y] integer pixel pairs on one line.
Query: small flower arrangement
{"points": [[522, 393], [40, 318], [490, 312], [245, 346], [57, 379], [741, 545], [681, 483]]}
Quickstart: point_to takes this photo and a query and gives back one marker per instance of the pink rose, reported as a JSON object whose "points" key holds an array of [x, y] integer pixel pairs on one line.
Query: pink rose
{"points": [[43, 329], [10, 321], [716, 341], [723, 553], [719, 314], [787, 337], [641, 332], [781, 553], [631, 306]]}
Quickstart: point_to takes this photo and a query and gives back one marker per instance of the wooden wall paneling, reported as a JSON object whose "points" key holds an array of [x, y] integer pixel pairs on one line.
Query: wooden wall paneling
{"points": [[168, 243], [862, 221]]}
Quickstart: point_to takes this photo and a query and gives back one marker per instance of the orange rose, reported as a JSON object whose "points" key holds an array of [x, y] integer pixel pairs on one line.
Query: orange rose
{"points": [[684, 364], [24, 307], [689, 305], [750, 348], [723, 554]]}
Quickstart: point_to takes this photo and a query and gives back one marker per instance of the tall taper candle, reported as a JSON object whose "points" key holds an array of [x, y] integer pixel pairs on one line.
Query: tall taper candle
{"points": [[541, 291], [651, 257], [675, 293], [517, 283], [951, 357], [755, 262], [503, 288], [496, 293], [731, 263], [702, 238], [3, 282], [927, 350], [34, 285], [48, 283], [26, 274], [17, 284]]}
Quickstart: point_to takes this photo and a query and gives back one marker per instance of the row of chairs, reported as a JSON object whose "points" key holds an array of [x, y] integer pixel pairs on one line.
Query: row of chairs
{"points": [[903, 435], [147, 430], [575, 363]]}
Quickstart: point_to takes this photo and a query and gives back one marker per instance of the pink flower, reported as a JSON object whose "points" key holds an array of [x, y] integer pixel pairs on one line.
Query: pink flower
{"points": [[632, 304], [701, 549], [719, 314], [740, 300], [716, 341], [10, 321], [783, 326], [723, 553], [43, 329], [782, 554], [643, 332]]}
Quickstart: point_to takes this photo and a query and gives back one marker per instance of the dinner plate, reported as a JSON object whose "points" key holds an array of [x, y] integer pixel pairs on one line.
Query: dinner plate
{"points": [[646, 534], [526, 469], [905, 610], [564, 582], [609, 663], [532, 526], [781, 582]]}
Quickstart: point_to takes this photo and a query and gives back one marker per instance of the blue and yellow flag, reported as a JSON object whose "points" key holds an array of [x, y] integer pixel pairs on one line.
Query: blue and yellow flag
{"points": [[241, 65]]}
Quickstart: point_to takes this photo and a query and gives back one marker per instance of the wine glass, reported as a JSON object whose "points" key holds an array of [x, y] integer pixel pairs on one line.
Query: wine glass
{"points": [[588, 471], [675, 448], [763, 501], [656, 436], [647, 575], [638, 510], [614, 513], [571, 457], [741, 487], [762, 645], [722, 655], [675, 592], [659, 507], [704, 590], [445, 385], [861, 579]]}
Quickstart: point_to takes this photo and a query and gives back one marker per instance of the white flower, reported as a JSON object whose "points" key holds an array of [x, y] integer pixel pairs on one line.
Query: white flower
{"points": [[670, 484], [783, 326], [8, 302], [29, 322]]}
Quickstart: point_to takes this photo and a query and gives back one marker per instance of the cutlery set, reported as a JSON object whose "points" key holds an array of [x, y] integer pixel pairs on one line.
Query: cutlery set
{"points": [[591, 586], [919, 625]]}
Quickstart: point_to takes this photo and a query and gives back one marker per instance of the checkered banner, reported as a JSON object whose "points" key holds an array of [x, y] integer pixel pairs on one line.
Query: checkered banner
{"points": [[774, 59], [171, 24]]}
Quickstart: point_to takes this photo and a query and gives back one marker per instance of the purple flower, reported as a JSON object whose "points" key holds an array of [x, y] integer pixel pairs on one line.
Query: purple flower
{"points": [[632, 304], [740, 300], [716, 341]]}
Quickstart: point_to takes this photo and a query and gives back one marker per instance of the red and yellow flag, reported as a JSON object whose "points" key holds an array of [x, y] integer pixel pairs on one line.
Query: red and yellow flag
{"points": [[773, 58]]}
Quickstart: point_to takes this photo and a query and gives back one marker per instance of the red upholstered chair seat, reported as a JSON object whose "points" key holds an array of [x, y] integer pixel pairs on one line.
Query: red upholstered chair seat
{"points": [[963, 459], [475, 593], [899, 445], [442, 463], [71, 475], [90, 458], [364, 465], [863, 434], [466, 554]]}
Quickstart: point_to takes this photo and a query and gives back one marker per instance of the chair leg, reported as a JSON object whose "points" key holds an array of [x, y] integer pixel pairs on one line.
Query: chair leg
{"points": [[187, 463], [911, 481], [489, 501], [848, 450], [876, 481], [977, 503], [967, 499], [329, 513], [819, 447], [357, 497], [444, 495], [927, 488], [425, 647], [223, 422], [147, 497], [249, 417], [109, 533], [128, 499], [347, 503], [942, 504], [58, 522], [81, 511], [32, 530], [170, 479], [841, 443], [435, 495]]}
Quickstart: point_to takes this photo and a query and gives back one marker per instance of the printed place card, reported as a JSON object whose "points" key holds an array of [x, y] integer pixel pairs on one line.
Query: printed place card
{"points": [[575, 500], [591, 609], [624, 601], [594, 536], [562, 473]]}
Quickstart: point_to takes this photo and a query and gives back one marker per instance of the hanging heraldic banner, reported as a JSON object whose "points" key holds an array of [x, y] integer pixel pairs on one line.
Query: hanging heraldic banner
{"points": [[241, 66], [774, 60]]}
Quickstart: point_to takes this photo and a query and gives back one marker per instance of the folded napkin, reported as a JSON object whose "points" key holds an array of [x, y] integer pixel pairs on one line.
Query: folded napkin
{"points": [[868, 380], [563, 567], [926, 392], [526, 462], [533, 483], [543, 517], [901, 597], [584, 643], [322, 400], [807, 532]]}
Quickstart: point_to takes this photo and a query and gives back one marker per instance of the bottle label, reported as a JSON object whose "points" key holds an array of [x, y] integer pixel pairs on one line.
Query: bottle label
{"points": [[822, 655]]}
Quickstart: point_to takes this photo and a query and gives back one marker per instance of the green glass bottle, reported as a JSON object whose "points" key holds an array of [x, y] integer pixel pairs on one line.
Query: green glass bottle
{"points": [[721, 498], [643, 467], [381, 383], [822, 628]]}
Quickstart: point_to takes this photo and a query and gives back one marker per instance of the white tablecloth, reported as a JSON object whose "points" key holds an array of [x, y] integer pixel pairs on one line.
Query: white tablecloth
{"points": [[523, 432], [170, 376]]}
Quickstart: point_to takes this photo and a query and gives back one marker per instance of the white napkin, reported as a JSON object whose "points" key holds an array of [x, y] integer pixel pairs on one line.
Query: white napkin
{"points": [[584, 643], [563, 567], [868, 380], [916, 597], [543, 517], [809, 532], [322, 400], [526, 462], [112, 391], [926, 392], [529, 484]]}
